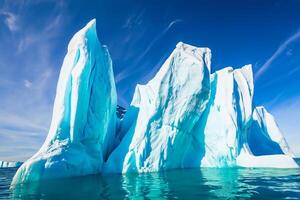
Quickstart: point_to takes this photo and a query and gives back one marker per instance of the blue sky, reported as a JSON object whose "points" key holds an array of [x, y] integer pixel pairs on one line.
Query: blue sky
{"points": [[140, 35]]}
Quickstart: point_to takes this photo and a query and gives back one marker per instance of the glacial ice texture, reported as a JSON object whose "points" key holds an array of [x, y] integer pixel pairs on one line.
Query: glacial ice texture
{"points": [[184, 117], [81, 134], [165, 112]]}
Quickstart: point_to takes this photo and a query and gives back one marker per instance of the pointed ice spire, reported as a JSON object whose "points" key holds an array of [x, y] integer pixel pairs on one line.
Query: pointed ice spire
{"points": [[84, 114]]}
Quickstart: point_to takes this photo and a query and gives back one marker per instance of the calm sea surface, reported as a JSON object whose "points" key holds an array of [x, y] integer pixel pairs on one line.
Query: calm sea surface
{"points": [[204, 183]]}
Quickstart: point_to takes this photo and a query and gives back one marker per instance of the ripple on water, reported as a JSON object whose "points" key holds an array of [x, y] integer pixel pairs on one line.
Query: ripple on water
{"points": [[205, 183]]}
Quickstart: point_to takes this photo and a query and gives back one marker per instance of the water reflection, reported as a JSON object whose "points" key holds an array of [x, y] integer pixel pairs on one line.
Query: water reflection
{"points": [[180, 184]]}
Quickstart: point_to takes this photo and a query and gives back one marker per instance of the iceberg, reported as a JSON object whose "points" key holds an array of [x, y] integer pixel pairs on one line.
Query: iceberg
{"points": [[227, 116], [81, 134], [266, 145], [9, 164], [236, 133], [185, 117], [223, 128], [164, 113]]}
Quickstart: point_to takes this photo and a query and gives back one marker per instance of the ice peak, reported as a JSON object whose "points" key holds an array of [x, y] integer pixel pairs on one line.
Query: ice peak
{"points": [[260, 108], [226, 70], [79, 39], [82, 130], [92, 22], [247, 72], [186, 46], [91, 25], [247, 67], [191, 55], [199, 53], [192, 50]]}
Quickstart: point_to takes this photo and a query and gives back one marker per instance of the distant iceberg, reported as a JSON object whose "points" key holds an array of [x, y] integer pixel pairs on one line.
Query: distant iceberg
{"points": [[10, 164], [185, 117]]}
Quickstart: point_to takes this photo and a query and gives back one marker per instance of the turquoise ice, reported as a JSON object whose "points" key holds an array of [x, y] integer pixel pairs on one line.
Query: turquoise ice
{"points": [[82, 130], [166, 111], [185, 117]]}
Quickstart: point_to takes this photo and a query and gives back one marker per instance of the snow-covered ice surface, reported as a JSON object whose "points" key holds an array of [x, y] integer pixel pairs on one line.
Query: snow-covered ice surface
{"points": [[167, 109], [7, 164], [82, 130], [184, 117]]}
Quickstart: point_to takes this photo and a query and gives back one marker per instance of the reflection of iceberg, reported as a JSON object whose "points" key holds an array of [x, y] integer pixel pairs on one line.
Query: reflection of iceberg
{"points": [[184, 117], [8, 164], [204, 183]]}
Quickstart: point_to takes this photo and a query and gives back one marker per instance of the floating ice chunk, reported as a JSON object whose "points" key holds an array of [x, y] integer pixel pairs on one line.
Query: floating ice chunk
{"points": [[8, 164]]}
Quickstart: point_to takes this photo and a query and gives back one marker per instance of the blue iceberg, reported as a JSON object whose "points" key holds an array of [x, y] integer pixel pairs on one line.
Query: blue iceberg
{"points": [[185, 117], [81, 134], [164, 113]]}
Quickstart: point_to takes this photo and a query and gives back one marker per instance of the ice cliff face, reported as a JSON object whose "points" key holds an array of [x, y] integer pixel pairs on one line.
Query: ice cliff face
{"points": [[227, 116], [233, 127], [82, 130], [184, 117], [166, 111]]}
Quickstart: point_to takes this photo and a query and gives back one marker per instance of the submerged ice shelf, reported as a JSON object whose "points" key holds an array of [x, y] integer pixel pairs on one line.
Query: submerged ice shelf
{"points": [[184, 117]]}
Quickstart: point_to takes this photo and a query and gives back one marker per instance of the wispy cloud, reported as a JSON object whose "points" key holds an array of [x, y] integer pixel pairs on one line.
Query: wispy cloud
{"points": [[135, 19], [284, 76], [276, 99], [10, 19], [157, 38], [41, 36], [27, 82], [293, 71], [24, 144], [129, 71], [155, 68], [122, 94], [278, 52]]}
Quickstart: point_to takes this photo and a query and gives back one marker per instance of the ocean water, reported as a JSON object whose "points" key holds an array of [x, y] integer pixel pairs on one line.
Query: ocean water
{"points": [[205, 183]]}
